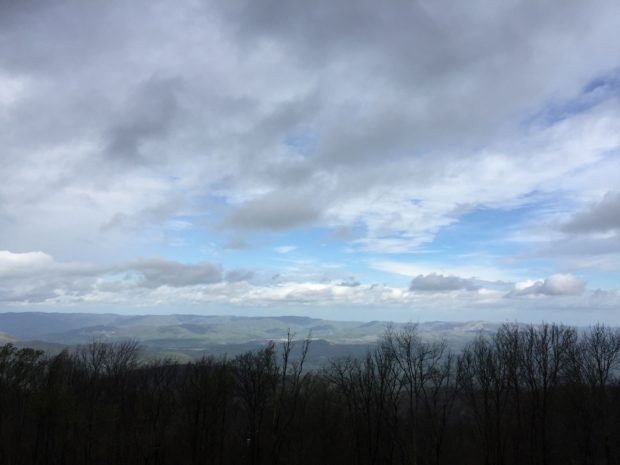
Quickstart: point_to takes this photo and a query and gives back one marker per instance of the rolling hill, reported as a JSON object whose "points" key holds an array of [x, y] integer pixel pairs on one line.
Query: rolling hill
{"points": [[188, 336]]}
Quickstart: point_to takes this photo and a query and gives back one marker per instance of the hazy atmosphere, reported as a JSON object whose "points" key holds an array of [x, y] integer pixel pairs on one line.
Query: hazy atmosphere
{"points": [[347, 160]]}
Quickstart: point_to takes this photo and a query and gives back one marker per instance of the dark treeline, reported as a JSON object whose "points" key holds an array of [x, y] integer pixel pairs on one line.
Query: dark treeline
{"points": [[525, 395]]}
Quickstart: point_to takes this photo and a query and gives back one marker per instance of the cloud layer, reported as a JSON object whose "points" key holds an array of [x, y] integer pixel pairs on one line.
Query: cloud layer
{"points": [[34, 280], [209, 134]]}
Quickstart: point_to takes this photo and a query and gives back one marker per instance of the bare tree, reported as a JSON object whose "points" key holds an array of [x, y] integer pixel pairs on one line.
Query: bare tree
{"points": [[426, 371], [287, 393], [592, 370], [544, 351], [484, 381], [256, 375]]}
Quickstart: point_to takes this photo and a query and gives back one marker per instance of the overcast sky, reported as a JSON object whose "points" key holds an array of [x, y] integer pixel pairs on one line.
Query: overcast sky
{"points": [[360, 160]]}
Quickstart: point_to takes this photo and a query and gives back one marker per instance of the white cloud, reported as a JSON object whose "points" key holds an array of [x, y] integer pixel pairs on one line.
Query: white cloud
{"points": [[554, 285], [12, 88], [23, 264]]}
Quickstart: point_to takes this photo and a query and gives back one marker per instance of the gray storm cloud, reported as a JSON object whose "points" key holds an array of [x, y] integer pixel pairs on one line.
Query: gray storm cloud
{"points": [[439, 283], [591, 235], [156, 272], [276, 210], [35, 276], [601, 217], [146, 119], [239, 275]]}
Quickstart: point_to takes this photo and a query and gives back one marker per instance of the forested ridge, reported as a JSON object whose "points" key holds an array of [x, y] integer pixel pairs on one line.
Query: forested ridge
{"points": [[540, 395]]}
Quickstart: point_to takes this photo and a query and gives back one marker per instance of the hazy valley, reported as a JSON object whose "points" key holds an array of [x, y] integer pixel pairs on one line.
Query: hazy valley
{"points": [[185, 337]]}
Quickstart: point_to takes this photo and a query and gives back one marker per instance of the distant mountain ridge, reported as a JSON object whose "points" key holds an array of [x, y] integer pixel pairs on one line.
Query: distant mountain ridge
{"points": [[195, 335], [81, 327]]}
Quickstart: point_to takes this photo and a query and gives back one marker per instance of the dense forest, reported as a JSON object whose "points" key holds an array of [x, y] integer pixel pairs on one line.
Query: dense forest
{"points": [[544, 394]]}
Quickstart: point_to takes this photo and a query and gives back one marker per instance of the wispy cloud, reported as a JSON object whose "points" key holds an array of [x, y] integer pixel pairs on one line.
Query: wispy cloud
{"points": [[284, 249]]}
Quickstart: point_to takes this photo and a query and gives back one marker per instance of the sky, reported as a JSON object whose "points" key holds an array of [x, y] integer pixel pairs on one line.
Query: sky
{"points": [[350, 160]]}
